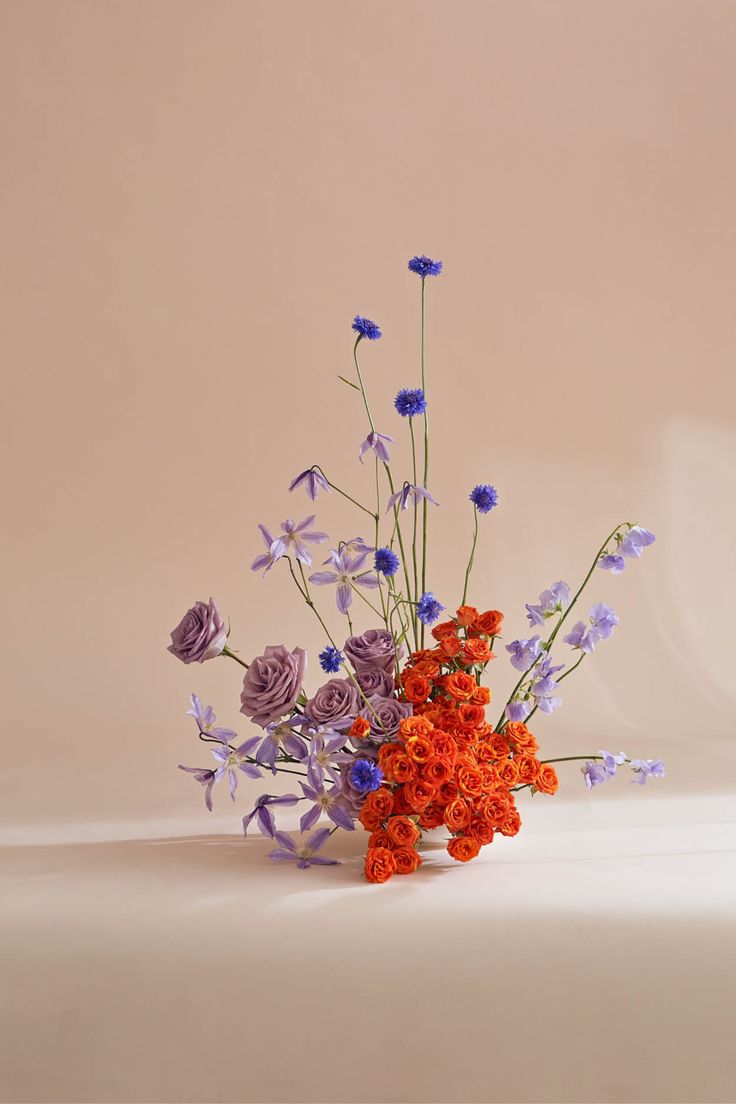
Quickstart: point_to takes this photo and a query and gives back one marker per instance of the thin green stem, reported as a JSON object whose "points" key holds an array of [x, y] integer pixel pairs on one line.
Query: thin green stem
{"points": [[316, 467], [469, 568], [356, 590], [362, 385], [231, 655], [574, 666], [414, 533], [425, 483]]}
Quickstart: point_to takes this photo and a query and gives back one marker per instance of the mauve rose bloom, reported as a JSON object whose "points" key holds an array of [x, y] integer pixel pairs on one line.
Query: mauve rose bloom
{"points": [[389, 712], [373, 648], [272, 684], [335, 704], [374, 682], [201, 634]]}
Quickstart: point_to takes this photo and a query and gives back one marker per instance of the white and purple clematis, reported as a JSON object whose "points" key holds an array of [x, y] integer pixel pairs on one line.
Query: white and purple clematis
{"points": [[330, 802], [292, 538], [281, 737], [345, 577]]}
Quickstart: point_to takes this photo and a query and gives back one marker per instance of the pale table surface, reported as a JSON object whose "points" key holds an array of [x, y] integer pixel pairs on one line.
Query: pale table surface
{"points": [[590, 959]]}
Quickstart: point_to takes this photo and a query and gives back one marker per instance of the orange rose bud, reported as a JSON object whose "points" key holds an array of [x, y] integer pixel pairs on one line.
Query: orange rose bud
{"points": [[419, 748], [482, 696], [457, 814], [447, 792], [481, 831], [360, 728], [380, 838], [489, 623], [495, 808], [437, 770], [444, 744], [380, 864], [407, 860], [476, 651], [401, 768], [466, 615], [429, 667], [450, 646], [521, 737], [403, 832], [463, 848], [416, 687], [470, 781], [547, 779], [528, 768], [432, 817], [460, 685], [418, 794], [470, 716], [445, 628], [511, 824], [507, 772], [414, 726], [376, 808], [401, 803]]}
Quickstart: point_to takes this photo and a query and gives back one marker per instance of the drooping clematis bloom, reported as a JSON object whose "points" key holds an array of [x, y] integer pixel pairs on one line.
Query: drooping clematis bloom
{"points": [[313, 481], [377, 443], [407, 492], [281, 736], [263, 815]]}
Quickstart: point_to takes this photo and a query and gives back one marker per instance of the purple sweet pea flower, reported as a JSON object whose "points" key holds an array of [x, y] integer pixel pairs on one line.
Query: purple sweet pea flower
{"points": [[280, 736], [409, 491], [603, 619], [324, 753], [524, 652], [519, 708], [263, 815], [313, 480], [543, 686], [376, 442], [303, 853], [596, 773], [325, 801], [551, 601], [275, 551], [646, 768], [345, 577], [201, 634], [205, 778], [633, 543], [579, 637], [614, 564]]}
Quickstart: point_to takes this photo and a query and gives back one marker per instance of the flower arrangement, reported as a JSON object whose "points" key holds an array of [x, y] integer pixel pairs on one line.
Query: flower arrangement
{"points": [[396, 739]]}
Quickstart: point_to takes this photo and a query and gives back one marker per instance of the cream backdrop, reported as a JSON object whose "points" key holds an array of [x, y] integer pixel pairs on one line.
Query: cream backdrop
{"points": [[196, 199]]}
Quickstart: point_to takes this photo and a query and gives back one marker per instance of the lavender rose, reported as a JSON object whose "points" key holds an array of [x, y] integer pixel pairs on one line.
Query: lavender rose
{"points": [[201, 634], [272, 684], [335, 704], [385, 715], [374, 682], [373, 648]]}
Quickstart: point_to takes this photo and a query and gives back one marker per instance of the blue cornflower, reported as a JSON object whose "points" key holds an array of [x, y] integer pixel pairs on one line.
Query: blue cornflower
{"points": [[365, 328], [410, 402], [428, 608], [365, 776], [425, 266], [484, 496], [385, 561], [330, 660]]}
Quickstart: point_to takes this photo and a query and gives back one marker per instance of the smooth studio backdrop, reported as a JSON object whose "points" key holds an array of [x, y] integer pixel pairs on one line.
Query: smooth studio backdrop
{"points": [[196, 198]]}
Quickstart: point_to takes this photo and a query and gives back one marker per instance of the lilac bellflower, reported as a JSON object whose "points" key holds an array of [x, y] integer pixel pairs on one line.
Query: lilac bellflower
{"points": [[313, 480], [345, 577], [377, 442], [409, 491]]}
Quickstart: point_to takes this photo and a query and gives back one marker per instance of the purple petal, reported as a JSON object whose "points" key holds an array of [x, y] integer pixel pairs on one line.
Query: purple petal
{"points": [[281, 856], [341, 817], [265, 821], [370, 581], [344, 597], [323, 578], [285, 840], [309, 818], [318, 839]]}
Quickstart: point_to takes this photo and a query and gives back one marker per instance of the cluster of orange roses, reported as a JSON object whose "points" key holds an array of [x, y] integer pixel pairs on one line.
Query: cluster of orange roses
{"points": [[448, 766]]}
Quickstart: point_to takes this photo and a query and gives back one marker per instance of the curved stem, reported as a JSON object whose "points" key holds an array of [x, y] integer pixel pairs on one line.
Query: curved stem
{"points": [[414, 535], [469, 568], [360, 594], [231, 655], [362, 385], [316, 467], [425, 504]]}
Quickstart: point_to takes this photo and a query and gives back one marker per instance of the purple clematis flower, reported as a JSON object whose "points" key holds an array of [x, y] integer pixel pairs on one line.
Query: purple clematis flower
{"points": [[275, 551], [263, 815], [303, 852], [524, 652], [646, 768], [345, 577], [551, 601], [324, 752], [294, 536], [355, 547], [409, 491], [205, 778], [377, 442], [205, 717], [280, 736], [233, 760], [330, 802], [313, 481]]}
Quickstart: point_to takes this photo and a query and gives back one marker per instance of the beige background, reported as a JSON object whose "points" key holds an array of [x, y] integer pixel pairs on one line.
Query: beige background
{"points": [[196, 198]]}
